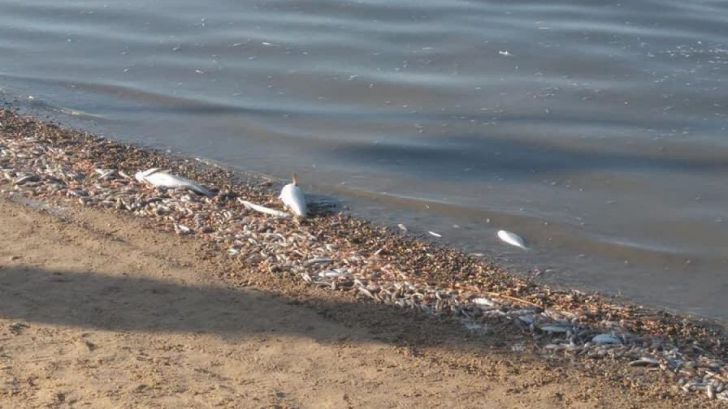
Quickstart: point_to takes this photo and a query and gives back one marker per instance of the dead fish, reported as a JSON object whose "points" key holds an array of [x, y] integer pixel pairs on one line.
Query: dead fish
{"points": [[333, 273], [645, 361], [366, 292], [26, 178], [263, 209], [182, 229], [432, 233], [76, 112], [292, 196], [555, 328], [512, 238], [318, 260], [527, 319], [105, 173], [160, 178], [484, 302], [402, 227], [606, 339]]}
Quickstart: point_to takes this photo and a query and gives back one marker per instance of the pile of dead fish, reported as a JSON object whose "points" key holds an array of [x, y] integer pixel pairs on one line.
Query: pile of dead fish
{"points": [[555, 332], [266, 239]]}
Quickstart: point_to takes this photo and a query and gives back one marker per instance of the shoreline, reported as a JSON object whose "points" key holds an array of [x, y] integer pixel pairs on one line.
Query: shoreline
{"points": [[366, 262], [99, 310]]}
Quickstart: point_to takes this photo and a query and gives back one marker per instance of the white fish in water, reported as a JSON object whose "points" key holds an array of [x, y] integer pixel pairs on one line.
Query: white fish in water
{"points": [[160, 178], [432, 233], [292, 196], [512, 238]]}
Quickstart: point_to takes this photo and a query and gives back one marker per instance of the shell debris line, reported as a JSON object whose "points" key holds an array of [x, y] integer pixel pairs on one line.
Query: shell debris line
{"points": [[338, 252]]}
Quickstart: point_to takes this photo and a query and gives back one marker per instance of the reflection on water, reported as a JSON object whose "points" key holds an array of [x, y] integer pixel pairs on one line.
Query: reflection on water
{"points": [[595, 129]]}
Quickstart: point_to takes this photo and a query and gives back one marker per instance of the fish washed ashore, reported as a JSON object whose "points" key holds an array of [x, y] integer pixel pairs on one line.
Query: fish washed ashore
{"points": [[334, 251]]}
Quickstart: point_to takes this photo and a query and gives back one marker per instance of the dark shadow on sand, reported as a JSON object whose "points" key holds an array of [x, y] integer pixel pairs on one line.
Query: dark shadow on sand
{"points": [[133, 304]]}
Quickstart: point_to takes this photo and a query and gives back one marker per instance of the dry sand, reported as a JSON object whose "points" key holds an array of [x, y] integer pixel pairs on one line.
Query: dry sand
{"points": [[99, 311]]}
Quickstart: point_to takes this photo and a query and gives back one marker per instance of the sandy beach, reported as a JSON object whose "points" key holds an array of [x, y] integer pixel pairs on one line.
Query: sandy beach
{"points": [[118, 305]]}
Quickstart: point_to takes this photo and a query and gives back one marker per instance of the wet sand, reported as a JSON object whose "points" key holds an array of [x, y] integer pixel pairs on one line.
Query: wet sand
{"points": [[109, 310]]}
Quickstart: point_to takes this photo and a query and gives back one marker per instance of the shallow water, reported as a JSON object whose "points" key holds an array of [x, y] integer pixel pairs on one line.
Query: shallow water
{"points": [[596, 130]]}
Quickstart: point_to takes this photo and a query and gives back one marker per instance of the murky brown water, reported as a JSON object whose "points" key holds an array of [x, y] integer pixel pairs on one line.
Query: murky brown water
{"points": [[598, 130]]}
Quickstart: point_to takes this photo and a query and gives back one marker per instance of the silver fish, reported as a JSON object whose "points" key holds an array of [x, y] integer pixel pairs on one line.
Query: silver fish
{"points": [[512, 238], [292, 196], [606, 339], [263, 209], [160, 178], [645, 361]]}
